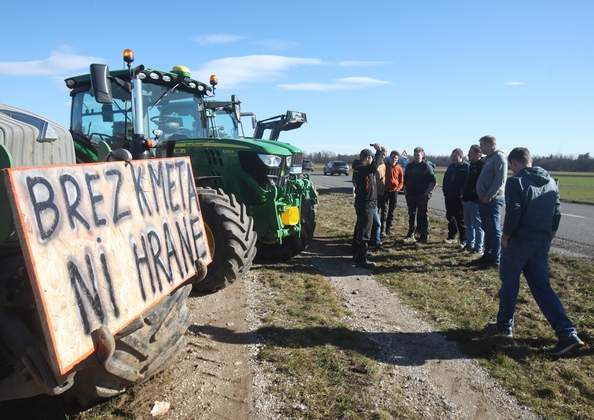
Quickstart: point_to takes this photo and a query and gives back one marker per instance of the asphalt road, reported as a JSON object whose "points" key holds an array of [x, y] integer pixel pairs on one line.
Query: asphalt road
{"points": [[577, 222]]}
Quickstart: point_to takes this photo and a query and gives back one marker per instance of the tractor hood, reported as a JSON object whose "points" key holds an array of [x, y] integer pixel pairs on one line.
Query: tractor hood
{"points": [[245, 144], [288, 147]]}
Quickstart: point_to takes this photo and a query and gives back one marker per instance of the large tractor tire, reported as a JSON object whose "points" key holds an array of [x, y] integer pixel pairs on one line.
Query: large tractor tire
{"points": [[231, 239], [292, 245], [142, 349]]}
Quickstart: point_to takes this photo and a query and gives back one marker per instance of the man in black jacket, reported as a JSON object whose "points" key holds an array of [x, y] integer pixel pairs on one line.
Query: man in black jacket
{"points": [[472, 218], [532, 216], [453, 185], [419, 181], [365, 202]]}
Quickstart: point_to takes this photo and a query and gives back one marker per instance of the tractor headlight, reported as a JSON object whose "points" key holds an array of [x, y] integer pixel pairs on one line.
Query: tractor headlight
{"points": [[272, 161], [289, 160]]}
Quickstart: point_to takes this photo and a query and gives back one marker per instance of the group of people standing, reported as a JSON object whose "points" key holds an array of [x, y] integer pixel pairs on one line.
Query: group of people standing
{"points": [[475, 192], [474, 199]]}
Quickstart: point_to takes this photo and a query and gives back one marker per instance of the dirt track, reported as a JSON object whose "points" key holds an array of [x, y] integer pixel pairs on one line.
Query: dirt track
{"points": [[211, 379], [218, 377], [438, 380]]}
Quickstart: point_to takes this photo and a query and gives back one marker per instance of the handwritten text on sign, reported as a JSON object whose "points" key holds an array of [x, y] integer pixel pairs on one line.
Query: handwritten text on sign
{"points": [[104, 242]]}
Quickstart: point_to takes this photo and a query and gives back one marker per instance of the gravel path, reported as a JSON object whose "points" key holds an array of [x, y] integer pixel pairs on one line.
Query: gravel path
{"points": [[211, 379], [439, 381]]}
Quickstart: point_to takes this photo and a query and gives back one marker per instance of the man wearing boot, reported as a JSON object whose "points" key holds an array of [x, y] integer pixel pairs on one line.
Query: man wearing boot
{"points": [[419, 181], [394, 183], [365, 202]]}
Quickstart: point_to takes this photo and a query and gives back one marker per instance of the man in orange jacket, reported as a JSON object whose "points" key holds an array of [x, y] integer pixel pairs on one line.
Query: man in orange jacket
{"points": [[394, 183]]}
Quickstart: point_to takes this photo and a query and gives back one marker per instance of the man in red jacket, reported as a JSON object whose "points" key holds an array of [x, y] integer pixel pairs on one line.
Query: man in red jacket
{"points": [[394, 183]]}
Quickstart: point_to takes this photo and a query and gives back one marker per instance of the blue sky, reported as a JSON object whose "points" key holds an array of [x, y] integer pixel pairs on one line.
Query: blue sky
{"points": [[434, 73]]}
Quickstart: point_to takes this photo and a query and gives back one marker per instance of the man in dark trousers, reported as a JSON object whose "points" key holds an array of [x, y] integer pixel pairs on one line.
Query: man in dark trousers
{"points": [[419, 181], [532, 216], [453, 186], [365, 202], [394, 183]]}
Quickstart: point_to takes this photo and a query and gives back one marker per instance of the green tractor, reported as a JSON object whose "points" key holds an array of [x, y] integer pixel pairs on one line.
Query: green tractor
{"points": [[253, 195], [279, 238]]}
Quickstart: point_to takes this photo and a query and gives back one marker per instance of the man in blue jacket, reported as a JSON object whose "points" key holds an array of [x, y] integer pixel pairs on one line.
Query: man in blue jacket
{"points": [[532, 216]]}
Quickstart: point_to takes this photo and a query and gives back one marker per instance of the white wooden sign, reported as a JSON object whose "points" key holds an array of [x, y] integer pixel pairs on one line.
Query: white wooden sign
{"points": [[103, 243]]}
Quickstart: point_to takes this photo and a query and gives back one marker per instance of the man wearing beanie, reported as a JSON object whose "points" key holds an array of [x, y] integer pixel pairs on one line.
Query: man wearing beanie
{"points": [[365, 201]]}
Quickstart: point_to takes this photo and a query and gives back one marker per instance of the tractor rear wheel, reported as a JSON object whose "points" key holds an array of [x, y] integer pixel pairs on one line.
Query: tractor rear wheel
{"points": [[292, 245], [142, 349], [231, 239]]}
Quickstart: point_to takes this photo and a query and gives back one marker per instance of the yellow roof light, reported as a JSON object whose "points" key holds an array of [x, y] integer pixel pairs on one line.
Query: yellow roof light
{"points": [[182, 71], [128, 55], [214, 80]]}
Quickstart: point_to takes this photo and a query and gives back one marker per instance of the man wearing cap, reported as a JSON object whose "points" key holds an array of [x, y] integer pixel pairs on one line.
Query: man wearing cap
{"points": [[365, 202]]}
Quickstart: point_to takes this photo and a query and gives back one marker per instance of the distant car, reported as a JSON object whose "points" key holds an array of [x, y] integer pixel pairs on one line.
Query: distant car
{"points": [[336, 167], [307, 165]]}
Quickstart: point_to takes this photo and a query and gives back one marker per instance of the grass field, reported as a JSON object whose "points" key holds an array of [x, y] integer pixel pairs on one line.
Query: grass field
{"points": [[436, 280], [573, 186]]}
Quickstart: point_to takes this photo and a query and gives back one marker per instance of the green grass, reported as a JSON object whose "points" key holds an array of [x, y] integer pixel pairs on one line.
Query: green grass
{"points": [[573, 186], [326, 367], [435, 280]]}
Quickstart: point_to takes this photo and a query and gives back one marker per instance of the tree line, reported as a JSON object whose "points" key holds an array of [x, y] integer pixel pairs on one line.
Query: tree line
{"points": [[567, 163]]}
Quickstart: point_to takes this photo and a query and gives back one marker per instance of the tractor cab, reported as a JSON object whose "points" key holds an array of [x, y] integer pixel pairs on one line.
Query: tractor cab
{"points": [[169, 106]]}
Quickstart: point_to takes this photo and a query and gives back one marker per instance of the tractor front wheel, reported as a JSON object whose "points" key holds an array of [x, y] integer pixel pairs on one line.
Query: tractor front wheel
{"points": [[231, 238], [142, 349]]}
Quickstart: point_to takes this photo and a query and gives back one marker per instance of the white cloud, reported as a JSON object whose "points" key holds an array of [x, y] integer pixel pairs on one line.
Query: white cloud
{"points": [[277, 44], [344, 83], [236, 71], [514, 83], [216, 39], [59, 62], [360, 63]]}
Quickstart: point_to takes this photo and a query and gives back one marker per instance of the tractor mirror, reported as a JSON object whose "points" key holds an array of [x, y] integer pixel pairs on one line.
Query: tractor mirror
{"points": [[236, 104], [254, 122], [100, 83], [107, 112]]}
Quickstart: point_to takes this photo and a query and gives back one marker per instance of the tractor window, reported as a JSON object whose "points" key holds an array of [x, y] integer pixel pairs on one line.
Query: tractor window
{"points": [[107, 122], [177, 114], [223, 125]]}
